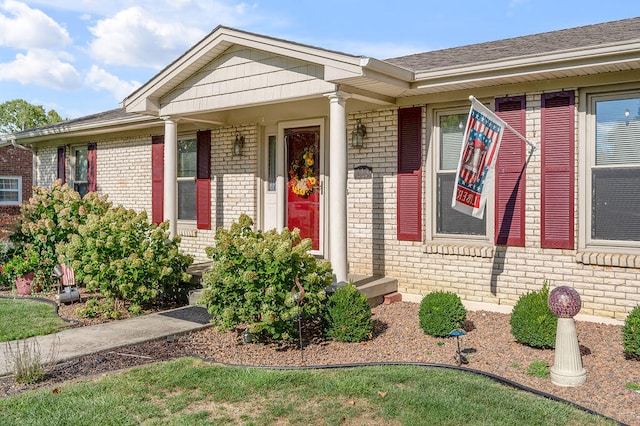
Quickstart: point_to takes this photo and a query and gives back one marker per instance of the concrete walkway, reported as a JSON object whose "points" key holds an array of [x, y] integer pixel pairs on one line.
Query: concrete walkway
{"points": [[76, 342]]}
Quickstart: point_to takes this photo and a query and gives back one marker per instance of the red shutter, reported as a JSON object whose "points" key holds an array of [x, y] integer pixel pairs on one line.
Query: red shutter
{"points": [[203, 180], [91, 167], [409, 216], [557, 140], [157, 178], [510, 174], [62, 161]]}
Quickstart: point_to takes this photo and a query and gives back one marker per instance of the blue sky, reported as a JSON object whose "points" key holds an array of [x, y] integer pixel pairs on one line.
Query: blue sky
{"points": [[84, 56]]}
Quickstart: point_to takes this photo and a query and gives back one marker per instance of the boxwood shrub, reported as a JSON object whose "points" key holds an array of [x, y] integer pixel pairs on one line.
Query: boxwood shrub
{"points": [[631, 334], [348, 315], [441, 312], [532, 321]]}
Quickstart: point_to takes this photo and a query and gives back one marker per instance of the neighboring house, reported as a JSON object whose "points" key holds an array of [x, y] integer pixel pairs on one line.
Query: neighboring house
{"points": [[245, 123], [16, 180]]}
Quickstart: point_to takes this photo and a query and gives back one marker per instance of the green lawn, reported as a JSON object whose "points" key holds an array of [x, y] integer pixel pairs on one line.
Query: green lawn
{"points": [[22, 318], [192, 392]]}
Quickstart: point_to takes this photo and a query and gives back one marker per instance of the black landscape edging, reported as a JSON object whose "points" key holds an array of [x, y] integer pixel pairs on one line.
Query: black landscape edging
{"points": [[491, 376]]}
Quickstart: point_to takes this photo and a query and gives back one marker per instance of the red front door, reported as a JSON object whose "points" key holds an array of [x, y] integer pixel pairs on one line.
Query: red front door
{"points": [[303, 187]]}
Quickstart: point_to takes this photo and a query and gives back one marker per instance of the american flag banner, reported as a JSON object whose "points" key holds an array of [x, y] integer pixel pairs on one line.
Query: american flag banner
{"points": [[478, 156]]}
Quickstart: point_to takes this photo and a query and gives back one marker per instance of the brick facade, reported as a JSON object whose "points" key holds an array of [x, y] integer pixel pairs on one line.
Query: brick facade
{"points": [[124, 173], [608, 284], [15, 162]]}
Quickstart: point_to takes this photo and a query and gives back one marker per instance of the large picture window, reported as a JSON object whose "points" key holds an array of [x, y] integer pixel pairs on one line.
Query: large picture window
{"points": [[10, 190], [187, 167], [450, 132], [615, 169]]}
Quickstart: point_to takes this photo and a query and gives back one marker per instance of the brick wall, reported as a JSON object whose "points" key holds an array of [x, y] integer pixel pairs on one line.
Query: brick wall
{"points": [[609, 287], [123, 172], [15, 162], [233, 187]]}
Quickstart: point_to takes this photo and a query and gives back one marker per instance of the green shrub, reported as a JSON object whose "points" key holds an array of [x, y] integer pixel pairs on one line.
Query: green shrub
{"points": [[440, 313], [49, 217], [348, 315], [532, 321], [125, 257], [6, 254], [631, 334], [252, 280]]}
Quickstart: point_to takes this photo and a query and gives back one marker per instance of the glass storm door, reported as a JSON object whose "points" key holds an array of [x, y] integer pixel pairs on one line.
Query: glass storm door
{"points": [[303, 185]]}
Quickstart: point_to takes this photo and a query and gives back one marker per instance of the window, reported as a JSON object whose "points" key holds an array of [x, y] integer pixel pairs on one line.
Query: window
{"points": [[272, 163], [81, 167], [10, 190], [187, 168], [450, 222], [614, 170]]}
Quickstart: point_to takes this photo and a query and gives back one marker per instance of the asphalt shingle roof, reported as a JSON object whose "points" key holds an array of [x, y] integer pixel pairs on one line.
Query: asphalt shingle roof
{"points": [[544, 43]]}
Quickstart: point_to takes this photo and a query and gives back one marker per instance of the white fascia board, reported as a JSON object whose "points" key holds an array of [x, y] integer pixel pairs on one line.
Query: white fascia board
{"points": [[219, 41], [533, 64], [88, 129]]}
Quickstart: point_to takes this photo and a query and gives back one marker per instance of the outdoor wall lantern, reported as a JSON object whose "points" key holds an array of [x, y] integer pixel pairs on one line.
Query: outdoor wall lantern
{"points": [[238, 143], [358, 134]]}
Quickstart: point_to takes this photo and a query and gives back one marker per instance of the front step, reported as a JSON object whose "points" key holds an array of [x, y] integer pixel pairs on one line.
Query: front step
{"points": [[374, 287]]}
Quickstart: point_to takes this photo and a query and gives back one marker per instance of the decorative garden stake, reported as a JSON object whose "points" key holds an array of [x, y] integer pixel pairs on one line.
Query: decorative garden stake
{"points": [[459, 357], [567, 369], [298, 297]]}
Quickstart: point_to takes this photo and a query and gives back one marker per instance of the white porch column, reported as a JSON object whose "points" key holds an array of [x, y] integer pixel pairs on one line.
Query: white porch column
{"points": [[171, 174], [338, 185]]}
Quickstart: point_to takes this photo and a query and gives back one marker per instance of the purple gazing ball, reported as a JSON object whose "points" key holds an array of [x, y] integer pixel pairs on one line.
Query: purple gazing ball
{"points": [[564, 302]]}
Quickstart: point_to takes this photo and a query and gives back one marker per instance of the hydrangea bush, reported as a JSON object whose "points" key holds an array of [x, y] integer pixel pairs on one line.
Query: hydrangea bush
{"points": [[125, 257], [252, 280], [49, 217]]}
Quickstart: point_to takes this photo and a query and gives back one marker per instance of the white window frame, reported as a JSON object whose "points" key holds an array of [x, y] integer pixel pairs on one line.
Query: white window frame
{"points": [[13, 203], [74, 165], [431, 185], [188, 223], [587, 160]]}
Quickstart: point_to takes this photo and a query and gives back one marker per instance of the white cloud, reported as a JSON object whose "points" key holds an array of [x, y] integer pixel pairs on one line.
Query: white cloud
{"points": [[41, 67], [134, 37], [101, 79], [26, 28]]}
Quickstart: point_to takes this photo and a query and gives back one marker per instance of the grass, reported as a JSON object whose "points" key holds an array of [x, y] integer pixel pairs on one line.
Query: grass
{"points": [[538, 368], [20, 319], [189, 391]]}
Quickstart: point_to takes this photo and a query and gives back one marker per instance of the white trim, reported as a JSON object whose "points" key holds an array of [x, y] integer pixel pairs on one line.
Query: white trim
{"points": [[19, 190], [430, 205], [281, 173], [586, 162]]}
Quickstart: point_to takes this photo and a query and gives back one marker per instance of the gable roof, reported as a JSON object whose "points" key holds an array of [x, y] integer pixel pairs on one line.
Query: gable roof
{"points": [[587, 50], [147, 98]]}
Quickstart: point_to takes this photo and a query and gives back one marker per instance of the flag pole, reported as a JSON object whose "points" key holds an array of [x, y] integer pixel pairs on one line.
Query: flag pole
{"points": [[531, 144]]}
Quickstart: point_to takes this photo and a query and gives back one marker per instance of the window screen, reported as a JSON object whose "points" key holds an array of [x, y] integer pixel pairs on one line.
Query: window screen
{"points": [[615, 177], [448, 220]]}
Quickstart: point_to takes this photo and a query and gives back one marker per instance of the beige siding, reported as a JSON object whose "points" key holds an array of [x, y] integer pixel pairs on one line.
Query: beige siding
{"points": [[245, 76]]}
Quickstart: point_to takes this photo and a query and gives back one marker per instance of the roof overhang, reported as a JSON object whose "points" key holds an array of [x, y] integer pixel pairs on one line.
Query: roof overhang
{"points": [[146, 100], [569, 63], [131, 122]]}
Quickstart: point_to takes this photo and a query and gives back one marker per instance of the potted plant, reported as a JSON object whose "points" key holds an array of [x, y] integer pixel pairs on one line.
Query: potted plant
{"points": [[23, 267]]}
